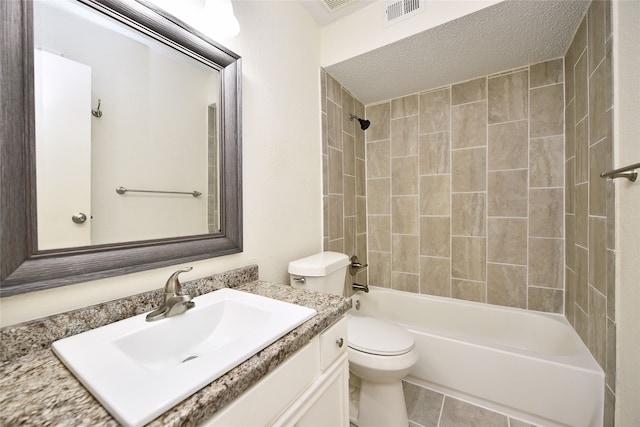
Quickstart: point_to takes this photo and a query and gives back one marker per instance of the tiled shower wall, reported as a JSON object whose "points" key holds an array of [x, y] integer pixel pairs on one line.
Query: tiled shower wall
{"points": [[590, 234], [344, 181], [465, 190]]}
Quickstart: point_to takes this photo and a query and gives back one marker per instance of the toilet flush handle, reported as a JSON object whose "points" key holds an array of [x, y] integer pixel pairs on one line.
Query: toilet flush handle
{"points": [[300, 280]]}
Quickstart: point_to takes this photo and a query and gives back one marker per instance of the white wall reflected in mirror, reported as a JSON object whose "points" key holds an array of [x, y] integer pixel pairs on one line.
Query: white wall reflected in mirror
{"points": [[155, 131]]}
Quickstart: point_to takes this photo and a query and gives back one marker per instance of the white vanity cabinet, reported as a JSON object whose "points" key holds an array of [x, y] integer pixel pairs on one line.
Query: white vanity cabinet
{"points": [[309, 389]]}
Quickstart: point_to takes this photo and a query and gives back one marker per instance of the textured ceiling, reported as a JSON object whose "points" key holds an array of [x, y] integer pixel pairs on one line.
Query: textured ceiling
{"points": [[507, 35]]}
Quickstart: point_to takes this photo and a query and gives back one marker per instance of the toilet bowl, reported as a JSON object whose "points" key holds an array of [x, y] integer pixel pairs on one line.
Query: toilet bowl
{"points": [[380, 353]]}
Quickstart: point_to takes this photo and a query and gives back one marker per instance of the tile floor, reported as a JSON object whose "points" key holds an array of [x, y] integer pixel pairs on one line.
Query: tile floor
{"points": [[427, 408]]}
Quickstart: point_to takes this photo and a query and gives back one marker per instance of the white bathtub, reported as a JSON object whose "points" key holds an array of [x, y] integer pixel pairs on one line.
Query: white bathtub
{"points": [[529, 365]]}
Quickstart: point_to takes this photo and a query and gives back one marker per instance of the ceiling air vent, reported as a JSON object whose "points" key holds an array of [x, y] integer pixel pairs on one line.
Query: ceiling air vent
{"points": [[336, 4], [401, 10]]}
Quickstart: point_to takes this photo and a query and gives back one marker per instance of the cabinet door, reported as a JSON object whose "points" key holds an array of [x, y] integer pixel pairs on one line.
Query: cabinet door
{"points": [[331, 405]]}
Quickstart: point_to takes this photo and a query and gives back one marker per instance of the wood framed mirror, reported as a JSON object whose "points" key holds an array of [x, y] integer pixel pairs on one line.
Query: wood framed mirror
{"points": [[26, 268]]}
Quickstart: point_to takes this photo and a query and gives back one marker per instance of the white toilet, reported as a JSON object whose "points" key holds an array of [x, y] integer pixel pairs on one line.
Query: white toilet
{"points": [[380, 353]]}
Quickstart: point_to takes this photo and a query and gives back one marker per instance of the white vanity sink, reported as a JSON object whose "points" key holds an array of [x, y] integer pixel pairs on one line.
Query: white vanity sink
{"points": [[139, 369]]}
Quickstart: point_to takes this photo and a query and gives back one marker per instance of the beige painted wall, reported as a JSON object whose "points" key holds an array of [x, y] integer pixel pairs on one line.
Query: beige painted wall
{"points": [[626, 54], [282, 163]]}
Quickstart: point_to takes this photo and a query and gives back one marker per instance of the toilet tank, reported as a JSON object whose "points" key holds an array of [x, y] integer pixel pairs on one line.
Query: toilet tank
{"points": [[322, 272]]}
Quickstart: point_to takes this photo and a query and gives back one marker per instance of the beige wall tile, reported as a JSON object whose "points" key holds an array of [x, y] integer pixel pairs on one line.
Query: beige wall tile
{"points": [[335, 171], [508, 145], [379, 235], [611, 284], [336, 245], [596, 34], [405, 106], [350, 235], [435, 111], [348, 107], [468, 258], [546, 73], [405, 282], [434, 153], [404, 136], [468, 168], [404, 214], [349, 196], [361, 216], [507, 285], [469, 290], [323, 90], [468, 214], [336, 220], [381, 203], [405, 255], [334, 90], [598, 185], [508, 97], [582, 151], [379, 268], [507, 240], [582, 219], [582, 324], [546, 267], [348, 155], [570, 240], [469, 125], [546, 212], [379, 159], [404, 176], [543, 299], [569, 131], [569, 186], [361, 178], [598, 115], [570, 295], [435, 276], [434, 195], [379, 115], [598, 327], [469, 91], [581, 91], [546, 162], [507, 193], [610, 366], [547, 111], [598, 253], [334, 125], [577, 47], [582, 279], [434, 236]]}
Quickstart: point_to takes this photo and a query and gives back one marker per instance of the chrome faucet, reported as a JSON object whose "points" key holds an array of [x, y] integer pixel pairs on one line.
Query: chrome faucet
{"points": [[359, 287], [355, 265], [175, 300]]}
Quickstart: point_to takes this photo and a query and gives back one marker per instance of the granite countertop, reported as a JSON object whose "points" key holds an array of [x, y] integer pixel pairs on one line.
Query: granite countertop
{"points": [[37, 389]]}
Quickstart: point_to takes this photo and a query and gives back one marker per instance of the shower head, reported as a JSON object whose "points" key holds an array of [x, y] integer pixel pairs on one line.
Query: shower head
{"points": [[364, 124]]}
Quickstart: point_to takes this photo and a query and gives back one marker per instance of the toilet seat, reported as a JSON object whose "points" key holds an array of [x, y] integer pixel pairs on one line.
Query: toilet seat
{"points": [[375, 336]]}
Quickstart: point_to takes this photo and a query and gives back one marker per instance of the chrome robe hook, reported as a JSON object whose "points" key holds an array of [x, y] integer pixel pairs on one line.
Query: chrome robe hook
{"points": [[97, 112]]}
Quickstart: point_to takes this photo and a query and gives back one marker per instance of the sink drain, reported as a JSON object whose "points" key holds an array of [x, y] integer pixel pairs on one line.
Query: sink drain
{"points": [[189, 358]]}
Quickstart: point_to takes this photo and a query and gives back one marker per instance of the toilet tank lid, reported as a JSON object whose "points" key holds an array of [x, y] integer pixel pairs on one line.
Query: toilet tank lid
{"points": [[321, 264]]}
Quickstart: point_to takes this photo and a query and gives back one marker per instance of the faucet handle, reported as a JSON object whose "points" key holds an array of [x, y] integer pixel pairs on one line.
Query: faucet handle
{"points": [[173, 285]]}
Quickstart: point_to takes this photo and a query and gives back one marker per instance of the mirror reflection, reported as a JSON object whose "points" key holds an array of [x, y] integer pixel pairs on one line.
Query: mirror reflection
{"points": [[116, 109]]}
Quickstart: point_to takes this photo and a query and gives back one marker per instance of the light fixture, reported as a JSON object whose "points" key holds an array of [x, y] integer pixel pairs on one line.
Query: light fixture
{"points": [[218, 18]]}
